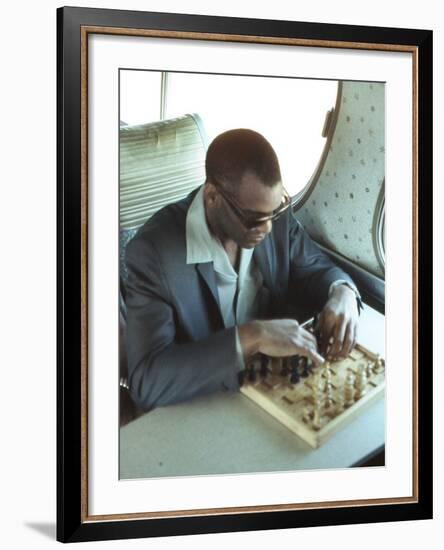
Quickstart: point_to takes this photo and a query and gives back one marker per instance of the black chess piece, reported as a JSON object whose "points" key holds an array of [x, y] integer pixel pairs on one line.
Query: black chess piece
{"points": [[284, 369], [264, 366], [295, 377], [310, 365], [252, 373], [305, 368]]}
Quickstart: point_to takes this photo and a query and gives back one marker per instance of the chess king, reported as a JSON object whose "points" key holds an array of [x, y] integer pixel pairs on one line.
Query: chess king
{"points": [[212, 279]]}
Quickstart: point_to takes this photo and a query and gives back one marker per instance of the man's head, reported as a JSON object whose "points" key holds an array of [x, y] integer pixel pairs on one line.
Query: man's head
{"points": [[243, 186]]}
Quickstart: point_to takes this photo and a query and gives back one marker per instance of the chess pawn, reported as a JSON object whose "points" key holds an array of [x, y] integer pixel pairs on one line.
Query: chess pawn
{"points": [[295, 377], [306, 414], [327, 369], [328, 388], [327, 373], [328, 395], [317, 416], [378, 366], [317, 391], [264, 366], [361, 382], [368, 369], [305, 368], [284, 370], [339, 405], [252, 372], [318, 387], [349, 390]]}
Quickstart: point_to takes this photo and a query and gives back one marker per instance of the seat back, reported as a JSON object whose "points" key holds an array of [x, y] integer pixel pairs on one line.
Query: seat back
{"points": [[160, 163]]}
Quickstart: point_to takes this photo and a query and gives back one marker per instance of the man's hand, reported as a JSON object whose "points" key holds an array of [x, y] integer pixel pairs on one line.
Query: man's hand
{"points": [[338, 323], [278, 338]]}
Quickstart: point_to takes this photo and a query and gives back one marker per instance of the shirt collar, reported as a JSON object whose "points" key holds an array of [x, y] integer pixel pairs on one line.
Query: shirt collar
{"points": [[202, 247], [198, 236]]}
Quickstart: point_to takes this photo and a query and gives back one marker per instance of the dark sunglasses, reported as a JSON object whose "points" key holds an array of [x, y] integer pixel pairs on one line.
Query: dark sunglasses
{"points": [[250, 219]]}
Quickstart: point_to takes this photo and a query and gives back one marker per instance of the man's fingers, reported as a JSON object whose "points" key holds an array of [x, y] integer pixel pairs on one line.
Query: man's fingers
{"points": [[355, 336], [310, 340], [348, 340], [338, 336], [309, 347], [318, 359], [326, 328], [310, 350]]}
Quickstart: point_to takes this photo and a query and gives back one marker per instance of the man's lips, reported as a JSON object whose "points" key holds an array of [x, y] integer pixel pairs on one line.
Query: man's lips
{"points": [[257, 237]]}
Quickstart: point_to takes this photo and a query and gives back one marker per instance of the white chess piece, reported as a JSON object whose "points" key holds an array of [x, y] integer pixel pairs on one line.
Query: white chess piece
{"points": [[349, 390]]}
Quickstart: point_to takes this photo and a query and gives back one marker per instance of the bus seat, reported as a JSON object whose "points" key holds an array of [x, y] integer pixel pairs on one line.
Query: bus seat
{"points": [[160, 163]]}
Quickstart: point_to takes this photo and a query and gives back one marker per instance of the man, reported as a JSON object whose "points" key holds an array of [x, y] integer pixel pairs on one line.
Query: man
{"points": [[212, 278]]}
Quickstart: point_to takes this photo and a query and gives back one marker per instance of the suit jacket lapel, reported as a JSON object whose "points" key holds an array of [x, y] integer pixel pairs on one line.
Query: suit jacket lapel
{"points": [[264, 257], [206, 271]]}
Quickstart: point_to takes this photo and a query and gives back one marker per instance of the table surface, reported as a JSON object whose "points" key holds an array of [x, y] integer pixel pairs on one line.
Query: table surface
{"points": [[227, 433]]}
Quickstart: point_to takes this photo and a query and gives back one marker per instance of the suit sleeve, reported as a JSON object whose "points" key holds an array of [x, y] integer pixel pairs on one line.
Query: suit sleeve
{"points": [[160, 370], [312, 272]]}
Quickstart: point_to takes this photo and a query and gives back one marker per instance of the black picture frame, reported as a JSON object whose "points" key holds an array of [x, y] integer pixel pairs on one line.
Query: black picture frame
{"points": [[73, 522]]}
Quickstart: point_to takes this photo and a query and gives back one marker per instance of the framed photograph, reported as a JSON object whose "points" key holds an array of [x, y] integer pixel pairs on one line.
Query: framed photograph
{"points": [[164, 428]]}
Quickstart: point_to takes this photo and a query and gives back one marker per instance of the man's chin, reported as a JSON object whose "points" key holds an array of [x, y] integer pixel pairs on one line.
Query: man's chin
{"points": [[252, 243]]}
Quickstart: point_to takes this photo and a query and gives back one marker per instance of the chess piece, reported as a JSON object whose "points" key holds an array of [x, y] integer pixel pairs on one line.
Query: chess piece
{"points": [[316, 385], [368, 369], [306, 414], [326, 372], [310, 365], [317, 416], [294, 362], [305, 369], [339, 405], [378, 366], [264, 366], [295, 378], [284, 369], [328, 390], [252, 372], [361, 382], [349, 390], [318, 393]]}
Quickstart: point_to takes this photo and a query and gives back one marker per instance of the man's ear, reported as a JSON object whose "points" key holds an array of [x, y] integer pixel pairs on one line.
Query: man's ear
{"points": [[210, 194]]}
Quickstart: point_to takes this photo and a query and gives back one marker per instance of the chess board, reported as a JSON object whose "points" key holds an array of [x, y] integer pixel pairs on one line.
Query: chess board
{"points": [[313, 401]]}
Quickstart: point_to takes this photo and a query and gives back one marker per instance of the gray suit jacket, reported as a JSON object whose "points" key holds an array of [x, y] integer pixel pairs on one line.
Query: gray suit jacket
{"points": [[178, 346]]}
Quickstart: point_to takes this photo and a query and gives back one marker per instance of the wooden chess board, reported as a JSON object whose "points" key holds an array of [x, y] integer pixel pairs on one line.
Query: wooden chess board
{"points": [[316, 401]]}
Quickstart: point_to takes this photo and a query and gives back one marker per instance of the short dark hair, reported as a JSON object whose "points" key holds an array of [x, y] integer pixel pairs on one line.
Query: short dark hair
{"points": [[236, 152]]}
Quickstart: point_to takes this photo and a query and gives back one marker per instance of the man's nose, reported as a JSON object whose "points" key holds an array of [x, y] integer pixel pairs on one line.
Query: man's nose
{"points": [[266, 227]]}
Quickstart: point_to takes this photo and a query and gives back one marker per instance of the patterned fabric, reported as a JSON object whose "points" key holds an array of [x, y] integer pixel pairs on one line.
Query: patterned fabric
{"points": [[160, 163], [125, 236], [342, 209]]}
